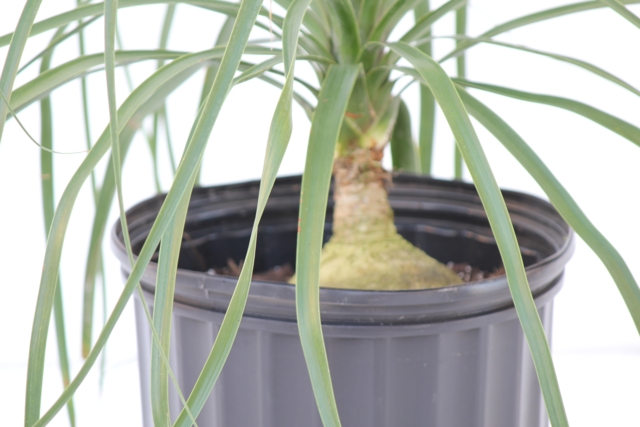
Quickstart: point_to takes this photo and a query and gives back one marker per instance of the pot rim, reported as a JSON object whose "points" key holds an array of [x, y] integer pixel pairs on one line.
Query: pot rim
{"points": [[359, 307]]}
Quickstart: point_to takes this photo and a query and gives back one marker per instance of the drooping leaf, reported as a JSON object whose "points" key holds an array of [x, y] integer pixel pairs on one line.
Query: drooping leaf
{"points": [[533, 19], [279, 135], [48, 208], [427, 105], [461, 71], [621, 10], [345, 30], [562, 58], [155, 85], [619, 126], [390, 19], [51, 79], [325, 127], [561, 199], [97, 9], [422, 26], [62, 36], [18, 41], [447, 97]]}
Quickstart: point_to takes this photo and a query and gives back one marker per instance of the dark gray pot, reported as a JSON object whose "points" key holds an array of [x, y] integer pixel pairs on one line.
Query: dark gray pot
{"points": [[450, 357]]}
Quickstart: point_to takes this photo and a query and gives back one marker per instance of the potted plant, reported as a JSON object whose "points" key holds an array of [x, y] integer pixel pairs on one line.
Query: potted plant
{"points": [[357, 111]]}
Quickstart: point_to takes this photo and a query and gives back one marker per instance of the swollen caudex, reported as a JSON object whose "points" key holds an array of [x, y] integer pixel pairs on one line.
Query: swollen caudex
{"points": [[365, 250]]}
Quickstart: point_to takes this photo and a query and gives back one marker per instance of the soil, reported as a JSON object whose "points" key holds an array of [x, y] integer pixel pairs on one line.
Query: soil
{"points": [[470, 274], [280, 273], [284, 272]]}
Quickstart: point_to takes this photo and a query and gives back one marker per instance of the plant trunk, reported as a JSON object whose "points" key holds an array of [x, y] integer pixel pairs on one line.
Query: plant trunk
{"points": [[366, 251]]}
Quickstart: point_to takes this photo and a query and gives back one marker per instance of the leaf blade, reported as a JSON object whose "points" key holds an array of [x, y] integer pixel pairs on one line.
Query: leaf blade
{"points": [[562, 200], [498, 216], [533, 19], [427, 105], [279, 136], [153, 86], [325, 126], [12, 62], [562, 58], [614, 124], [48, 208], [347, 33], [623, 11]]}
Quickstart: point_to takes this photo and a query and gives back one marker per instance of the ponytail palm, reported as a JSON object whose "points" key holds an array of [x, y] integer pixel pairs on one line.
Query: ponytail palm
{"points": [[356, 110]]}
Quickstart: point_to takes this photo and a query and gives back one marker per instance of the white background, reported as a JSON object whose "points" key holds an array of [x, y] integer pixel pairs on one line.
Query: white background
{"points": [[596, 348]]}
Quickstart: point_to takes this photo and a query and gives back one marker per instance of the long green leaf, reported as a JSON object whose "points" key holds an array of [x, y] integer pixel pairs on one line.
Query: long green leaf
{"points": [[150, 138], [346, 32], [258, 69], [162, 113], [427, 105], [111, 11], [461, 71], [301, 100], [422, 26], [367, 13], [562, 58], [170, 246], [182, 183], [110, 27], [419, 30], [107, 193], [88, 294], [614, 124], [51, 79], [383, 27], [159, 378], [212, 70], [167, 268], [279, 135], [163, 305], [48, 208], [162, 311], [619, 8], [155, 85], [561, 199], [57, 40], [325, 127], [18, 41], [533, 19], [105, 199], [97, 9], [87, 327], [315, 26], [391, 18], [448, 99], [221, 39]]}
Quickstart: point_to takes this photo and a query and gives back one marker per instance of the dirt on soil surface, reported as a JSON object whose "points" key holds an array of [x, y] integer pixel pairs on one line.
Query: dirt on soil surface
{"points": [[280, 273], [283, 273], [470, 274]]}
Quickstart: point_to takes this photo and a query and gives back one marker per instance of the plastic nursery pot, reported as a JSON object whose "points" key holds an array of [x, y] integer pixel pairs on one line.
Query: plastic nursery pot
{"points": [[453, 356]]}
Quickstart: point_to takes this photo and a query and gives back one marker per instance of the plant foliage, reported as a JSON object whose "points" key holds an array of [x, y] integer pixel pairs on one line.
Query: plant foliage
{"points": [[360, 54]]}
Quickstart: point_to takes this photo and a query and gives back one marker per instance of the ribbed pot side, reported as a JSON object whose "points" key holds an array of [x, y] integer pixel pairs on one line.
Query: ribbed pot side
{"points": [[453, 356]]}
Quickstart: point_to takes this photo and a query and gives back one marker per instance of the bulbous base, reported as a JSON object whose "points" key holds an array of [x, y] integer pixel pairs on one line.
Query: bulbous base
{"points": [[390, 265], [366, 252]]}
